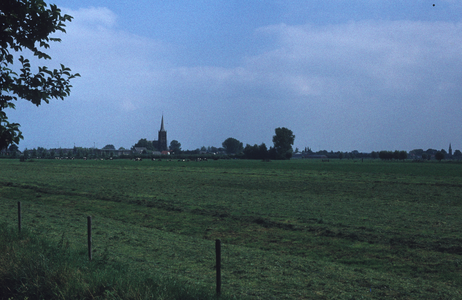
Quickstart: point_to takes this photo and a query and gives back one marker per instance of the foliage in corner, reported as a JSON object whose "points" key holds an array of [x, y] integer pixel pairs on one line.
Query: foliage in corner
{"points": [[27, 25]]}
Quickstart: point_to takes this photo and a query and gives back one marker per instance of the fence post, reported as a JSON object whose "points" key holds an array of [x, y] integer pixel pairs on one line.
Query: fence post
{"points": [[19, 216], [89, 236], [218, 265]]}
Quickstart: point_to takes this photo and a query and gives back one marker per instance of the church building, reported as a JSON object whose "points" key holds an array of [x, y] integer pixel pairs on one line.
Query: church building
{"points": [[161, 143]]}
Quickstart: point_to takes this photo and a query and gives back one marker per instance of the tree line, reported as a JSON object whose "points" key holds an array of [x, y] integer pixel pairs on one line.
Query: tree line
{"points": [[283, 140], [389, 155], [282, 149]]}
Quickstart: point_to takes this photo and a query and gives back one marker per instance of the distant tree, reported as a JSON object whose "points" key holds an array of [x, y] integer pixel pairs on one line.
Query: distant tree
{"points": [[351, 155], [374, 155], [232, 146], [283, 141], [389, 155], [27, 25], [382, 155], [251, 152], [145, 143], [322, 152], [402, 155], [175, 146], [439, 155], [256, 152], [272, 153], [109, 147], [121, 148], [82, 152], [213, 149], [386, 155], [77, 152], [42, 152], [263, 150], [417, 152], [457, 154], [431, 152]]}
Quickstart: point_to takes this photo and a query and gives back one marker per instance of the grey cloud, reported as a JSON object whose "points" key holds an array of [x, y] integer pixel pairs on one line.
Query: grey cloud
{"points": [[366, 85]]}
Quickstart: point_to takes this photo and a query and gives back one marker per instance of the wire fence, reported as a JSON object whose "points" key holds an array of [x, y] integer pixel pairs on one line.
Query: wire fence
{"points": [[90, 247], [223, 267]]}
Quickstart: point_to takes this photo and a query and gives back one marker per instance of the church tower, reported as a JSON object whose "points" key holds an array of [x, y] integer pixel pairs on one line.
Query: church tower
{"points": [[450, 150], [162, 140]]}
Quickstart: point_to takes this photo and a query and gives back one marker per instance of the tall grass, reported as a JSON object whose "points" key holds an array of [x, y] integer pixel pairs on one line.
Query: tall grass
{"points": [[32, 267]]}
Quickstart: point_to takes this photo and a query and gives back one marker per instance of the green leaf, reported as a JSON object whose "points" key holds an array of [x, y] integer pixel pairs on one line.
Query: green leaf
{"points": [[25, 25]]}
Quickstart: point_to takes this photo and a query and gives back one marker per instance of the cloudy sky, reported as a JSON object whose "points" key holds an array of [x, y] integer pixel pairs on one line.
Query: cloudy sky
{"points": [[361, 75]]}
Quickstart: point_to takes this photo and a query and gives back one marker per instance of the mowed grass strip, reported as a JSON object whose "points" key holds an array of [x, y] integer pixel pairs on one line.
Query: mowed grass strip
{"points": [[279, 221]]}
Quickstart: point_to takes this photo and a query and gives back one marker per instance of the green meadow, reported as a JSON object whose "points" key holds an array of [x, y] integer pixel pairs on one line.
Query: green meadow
{"points": [[299, 229]]}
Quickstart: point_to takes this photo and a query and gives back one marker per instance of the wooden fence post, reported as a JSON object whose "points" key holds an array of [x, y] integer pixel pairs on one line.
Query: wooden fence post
{"points": [[89, 236], [218, 265], [19, 216]]}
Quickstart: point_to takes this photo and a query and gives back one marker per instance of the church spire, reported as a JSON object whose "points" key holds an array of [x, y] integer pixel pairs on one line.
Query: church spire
{"points": [[162, 124], [162, 140]]}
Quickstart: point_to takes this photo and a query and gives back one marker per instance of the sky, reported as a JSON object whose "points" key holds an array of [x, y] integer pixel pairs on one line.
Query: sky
{"points": [[364, 75]]}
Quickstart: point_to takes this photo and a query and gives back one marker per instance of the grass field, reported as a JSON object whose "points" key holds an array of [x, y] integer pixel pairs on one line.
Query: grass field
{"points": [[290, 229]]}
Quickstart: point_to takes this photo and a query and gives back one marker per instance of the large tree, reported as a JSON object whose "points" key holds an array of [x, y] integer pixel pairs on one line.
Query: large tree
{"points": [[283, 141], [232, 146], [25, 28], [175, 146]]}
